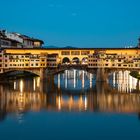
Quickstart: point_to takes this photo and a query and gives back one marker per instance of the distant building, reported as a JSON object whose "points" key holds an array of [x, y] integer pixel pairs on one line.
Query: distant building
{"points": [[14, 36], [16, 40], [6, 42]]}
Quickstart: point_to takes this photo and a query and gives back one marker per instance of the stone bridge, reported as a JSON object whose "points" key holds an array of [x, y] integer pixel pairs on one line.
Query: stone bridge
{"points": [[41, 72], [101, 73]]}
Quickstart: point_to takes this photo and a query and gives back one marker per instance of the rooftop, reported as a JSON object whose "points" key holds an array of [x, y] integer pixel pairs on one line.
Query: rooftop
{"points": [[73, 49]]}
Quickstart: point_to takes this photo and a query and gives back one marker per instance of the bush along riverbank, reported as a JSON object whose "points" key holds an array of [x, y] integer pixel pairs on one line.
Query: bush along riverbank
{"points": [[135, 74]]}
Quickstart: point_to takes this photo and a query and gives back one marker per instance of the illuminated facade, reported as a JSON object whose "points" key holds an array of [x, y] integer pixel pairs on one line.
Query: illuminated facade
{"points": [[52, 58], [123, 59]]}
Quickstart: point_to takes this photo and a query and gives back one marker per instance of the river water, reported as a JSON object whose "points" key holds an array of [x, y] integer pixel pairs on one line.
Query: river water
{"points": [[71, 105]]}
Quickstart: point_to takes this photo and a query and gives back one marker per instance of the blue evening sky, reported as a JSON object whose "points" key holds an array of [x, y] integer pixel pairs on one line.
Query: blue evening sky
{"points": [[79, 23]]}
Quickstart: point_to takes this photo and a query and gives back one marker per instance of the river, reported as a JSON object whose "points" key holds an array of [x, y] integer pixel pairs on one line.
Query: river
{"points": [[71, 105]]}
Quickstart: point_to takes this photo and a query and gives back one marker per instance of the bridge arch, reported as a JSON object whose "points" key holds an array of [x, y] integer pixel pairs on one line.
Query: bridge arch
{"points": [[66, 60], [84, 60], [15, 71], [75, 60]]}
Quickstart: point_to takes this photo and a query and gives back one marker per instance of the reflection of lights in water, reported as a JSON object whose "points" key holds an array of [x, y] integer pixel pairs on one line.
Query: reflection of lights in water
{"points": [[109, 99], [15, 85], [125, 82], [59, 103], [38, 81], [70, 102], [58, 80], [85, 103], [21, 103], [34, 84], [91, 80], [66, 78], [21, 86], [74, 79], [114, 79], [20, 116], [83, 79]]}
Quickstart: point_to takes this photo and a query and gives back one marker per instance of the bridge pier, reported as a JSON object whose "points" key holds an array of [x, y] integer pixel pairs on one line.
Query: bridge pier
{"points": [[42, 74], [138, 85], [101, 75]]}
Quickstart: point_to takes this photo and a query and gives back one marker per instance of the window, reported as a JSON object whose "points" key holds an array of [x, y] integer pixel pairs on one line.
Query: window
{"points": [[65, 53], [6, 43], [85, 52], [75, 53]]}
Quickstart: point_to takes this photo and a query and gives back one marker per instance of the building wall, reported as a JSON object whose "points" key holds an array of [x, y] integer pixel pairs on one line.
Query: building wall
{"points": [[14, 36], [20, 61], [1, 61], [115, 59], [36, 58], [5, 43]]}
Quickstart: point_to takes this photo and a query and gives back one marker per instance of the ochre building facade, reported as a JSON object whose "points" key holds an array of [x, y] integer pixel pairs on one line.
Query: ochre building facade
{"points": [[52, 58]]}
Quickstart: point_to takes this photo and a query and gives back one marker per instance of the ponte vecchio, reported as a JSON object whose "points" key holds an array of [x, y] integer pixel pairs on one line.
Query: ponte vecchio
{"points": [[37, 60]]}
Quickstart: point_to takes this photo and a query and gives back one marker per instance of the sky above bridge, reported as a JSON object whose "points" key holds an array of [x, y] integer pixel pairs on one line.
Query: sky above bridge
{"points": [[78, 23]]}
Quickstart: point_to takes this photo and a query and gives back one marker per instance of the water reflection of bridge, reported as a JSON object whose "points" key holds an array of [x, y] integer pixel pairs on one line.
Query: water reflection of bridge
{"points": [[102, 98], [121, 80]]}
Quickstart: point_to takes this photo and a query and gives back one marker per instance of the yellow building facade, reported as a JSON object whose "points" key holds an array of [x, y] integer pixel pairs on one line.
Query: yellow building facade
{"points": [[43, 58]]}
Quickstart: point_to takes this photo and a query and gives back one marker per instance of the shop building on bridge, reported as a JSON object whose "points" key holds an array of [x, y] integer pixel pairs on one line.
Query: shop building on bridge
{"points": [[29, 58], [101, 59]]}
